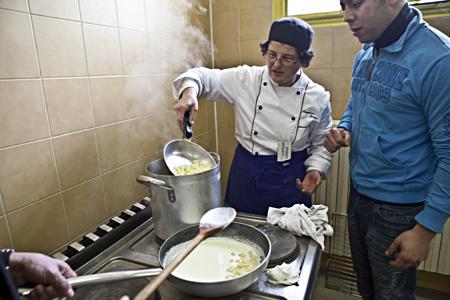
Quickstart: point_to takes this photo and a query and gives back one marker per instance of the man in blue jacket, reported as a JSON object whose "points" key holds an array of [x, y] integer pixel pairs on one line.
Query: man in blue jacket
{"points": [[397, 123]]}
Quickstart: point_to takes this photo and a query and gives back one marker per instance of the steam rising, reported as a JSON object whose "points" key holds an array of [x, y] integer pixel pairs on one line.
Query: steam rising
{"points": [[187, 46], [174, 38], [175, 42]]}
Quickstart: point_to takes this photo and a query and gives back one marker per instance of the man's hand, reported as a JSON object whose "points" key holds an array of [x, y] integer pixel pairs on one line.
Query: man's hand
{"points": [[337, 138], [47, 273], [310, 183], [410, 247], [188, 101]]}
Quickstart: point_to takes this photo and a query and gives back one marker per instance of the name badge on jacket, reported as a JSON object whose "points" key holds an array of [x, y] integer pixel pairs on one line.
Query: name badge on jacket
{"points": [[284, 151]]}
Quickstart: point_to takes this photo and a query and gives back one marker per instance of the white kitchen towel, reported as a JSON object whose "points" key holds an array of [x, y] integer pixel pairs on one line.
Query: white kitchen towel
{"points": [[302, 220], [283, 274]]}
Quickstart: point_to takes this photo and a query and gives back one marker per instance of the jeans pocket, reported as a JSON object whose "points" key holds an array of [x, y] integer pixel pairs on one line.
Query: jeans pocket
{"points": [[398, 215]]}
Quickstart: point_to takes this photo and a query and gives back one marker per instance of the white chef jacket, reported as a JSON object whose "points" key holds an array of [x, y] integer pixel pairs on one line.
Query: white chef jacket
{"points": [[266, 113]]}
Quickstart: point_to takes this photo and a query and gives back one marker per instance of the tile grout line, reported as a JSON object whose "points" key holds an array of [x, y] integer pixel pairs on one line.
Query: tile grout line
{"points": [[116, 10], [89, 76], [128, 105], [76, 132], [55, 163], [8, 229], [211, 41], [97, 146]]}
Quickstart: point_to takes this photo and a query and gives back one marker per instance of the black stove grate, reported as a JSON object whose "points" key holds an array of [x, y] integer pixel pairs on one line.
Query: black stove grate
{"points": [[93, 243]]}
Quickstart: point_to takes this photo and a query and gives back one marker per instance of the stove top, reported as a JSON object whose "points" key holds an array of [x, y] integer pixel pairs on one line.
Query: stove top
{"points": [[139, 250]]}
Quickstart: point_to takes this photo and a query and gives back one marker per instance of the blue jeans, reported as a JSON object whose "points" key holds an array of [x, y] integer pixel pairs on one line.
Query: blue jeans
{"points": [[373, 226]]}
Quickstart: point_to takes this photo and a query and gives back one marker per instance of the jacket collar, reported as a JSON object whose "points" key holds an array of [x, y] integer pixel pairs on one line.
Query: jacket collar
{"points": [[413, 26]]}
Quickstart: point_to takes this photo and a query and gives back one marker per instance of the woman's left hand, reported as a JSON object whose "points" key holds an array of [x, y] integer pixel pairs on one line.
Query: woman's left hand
{"points": [[310, 183]]}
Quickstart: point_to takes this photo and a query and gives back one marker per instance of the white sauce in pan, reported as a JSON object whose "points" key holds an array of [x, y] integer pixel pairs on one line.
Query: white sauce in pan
{"points": [[216, 259]]}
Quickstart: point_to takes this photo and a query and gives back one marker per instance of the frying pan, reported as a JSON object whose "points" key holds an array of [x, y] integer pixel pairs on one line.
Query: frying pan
{"points": [[238, 231], [235, 230]]}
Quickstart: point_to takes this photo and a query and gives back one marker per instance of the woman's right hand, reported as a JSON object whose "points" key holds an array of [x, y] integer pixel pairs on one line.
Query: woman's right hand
{"points": [[188, 101]]}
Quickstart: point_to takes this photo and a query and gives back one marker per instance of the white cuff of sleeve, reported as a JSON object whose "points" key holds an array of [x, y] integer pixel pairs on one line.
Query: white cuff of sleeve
{"points": [[188, 83], [317, 169]]}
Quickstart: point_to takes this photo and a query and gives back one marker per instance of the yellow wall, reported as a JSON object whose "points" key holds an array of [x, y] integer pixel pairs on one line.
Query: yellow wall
{"points": [[86, 103]]}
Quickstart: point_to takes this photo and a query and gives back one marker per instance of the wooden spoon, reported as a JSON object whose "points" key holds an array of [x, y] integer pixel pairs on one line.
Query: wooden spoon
{"points": [[212, 221]]}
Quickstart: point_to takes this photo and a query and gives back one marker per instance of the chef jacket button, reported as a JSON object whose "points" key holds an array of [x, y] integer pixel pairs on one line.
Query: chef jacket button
{"points": [[293, 118], [255, 132], [298, 92], [264, 83], [260, 107]]}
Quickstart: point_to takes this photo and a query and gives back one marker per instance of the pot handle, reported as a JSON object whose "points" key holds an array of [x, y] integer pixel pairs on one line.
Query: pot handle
{"points": [[106, 277], [146, 180]]}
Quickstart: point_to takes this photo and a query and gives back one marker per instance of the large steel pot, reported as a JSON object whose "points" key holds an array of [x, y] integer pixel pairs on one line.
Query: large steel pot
{"points": [[180, 201]]}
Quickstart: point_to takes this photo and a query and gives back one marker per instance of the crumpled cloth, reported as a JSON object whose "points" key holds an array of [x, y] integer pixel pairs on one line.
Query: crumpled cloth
{"points": [[302, 220], [283, 274]]}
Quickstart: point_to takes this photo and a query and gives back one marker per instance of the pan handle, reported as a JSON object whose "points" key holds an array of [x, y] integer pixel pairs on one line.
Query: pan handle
{"points": [[146, 180], [94, 279]]}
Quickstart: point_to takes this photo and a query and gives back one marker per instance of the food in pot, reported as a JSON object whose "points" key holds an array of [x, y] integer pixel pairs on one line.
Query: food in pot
{"points": [[242, 263], [217, 259], [197, 166]]}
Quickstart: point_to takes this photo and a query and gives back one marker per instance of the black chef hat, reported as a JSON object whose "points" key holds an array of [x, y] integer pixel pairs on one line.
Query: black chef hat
{"points": [[291, 31]]}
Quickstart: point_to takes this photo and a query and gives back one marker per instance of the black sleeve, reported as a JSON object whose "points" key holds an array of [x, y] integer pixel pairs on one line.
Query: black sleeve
{"points": [[4, 256], [8, 290]]}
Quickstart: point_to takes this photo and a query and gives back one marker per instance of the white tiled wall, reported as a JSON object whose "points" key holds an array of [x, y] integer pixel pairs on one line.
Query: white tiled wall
{"points": [[85, 104]]}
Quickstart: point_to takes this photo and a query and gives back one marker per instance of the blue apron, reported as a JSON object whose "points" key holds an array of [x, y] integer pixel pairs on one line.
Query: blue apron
{"points": [[256, 182]]}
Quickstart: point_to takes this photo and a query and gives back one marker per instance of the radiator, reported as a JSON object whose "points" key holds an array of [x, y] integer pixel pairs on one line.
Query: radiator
{"points": [[333, 193]]}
